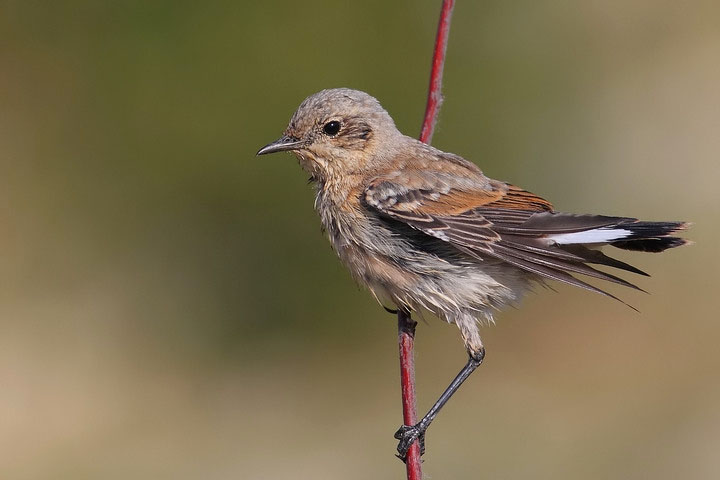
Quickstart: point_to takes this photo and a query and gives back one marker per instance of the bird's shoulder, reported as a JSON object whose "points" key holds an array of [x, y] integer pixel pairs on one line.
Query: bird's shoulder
{"points": [[439, 184]]}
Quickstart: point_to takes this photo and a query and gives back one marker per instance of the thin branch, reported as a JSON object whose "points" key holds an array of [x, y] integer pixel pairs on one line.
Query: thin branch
{"points": [[406, 325], [406, 339], [435, 98]]}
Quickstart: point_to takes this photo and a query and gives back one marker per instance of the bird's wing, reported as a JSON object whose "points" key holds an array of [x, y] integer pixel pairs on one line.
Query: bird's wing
{"points": [[486, 218]]}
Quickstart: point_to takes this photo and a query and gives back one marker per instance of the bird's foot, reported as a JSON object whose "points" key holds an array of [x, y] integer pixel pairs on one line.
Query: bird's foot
{"points": [[407, 434]]}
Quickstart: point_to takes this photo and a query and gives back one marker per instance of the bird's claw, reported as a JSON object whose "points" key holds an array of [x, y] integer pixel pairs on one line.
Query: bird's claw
{"points": [[407, 434]]}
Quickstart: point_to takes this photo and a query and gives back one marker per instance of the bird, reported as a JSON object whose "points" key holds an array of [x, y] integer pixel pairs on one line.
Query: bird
{"points": [[426, 231]]}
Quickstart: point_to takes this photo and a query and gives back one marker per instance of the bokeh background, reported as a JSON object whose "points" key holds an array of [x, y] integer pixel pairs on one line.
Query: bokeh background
{"points": [[170, 309]]}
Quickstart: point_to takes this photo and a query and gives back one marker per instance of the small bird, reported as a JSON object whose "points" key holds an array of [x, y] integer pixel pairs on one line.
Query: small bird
{"points": [[426, 231]]}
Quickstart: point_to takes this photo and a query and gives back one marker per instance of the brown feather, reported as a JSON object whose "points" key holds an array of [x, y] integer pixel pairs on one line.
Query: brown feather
{"points": [[501, 221]]}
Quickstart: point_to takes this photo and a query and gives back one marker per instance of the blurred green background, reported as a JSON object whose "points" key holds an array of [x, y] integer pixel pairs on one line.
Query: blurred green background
{"points": [[170, 309]]}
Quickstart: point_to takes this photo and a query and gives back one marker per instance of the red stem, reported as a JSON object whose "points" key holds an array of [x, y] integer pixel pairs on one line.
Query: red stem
{"points": [[406, 326], [434, 99], [406, 339]]}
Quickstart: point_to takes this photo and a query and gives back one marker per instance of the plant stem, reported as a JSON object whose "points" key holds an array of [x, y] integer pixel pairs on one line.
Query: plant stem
{"points": [[406, 339], [406, 325], [434, 99]]}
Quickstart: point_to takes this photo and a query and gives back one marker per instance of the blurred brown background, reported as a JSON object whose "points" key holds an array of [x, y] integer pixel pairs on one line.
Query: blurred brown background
{"points": [[170, 309]]}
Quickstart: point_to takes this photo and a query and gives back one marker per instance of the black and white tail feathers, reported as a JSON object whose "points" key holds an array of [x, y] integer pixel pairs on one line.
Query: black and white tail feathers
{"points": [[556, 245], [628, 234]]}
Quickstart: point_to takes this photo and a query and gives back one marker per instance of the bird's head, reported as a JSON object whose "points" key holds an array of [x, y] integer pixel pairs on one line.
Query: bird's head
{"points": [[337, 132]]}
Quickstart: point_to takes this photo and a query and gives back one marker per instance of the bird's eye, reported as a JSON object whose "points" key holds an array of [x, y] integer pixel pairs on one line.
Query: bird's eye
{"points": [[332, 128]]}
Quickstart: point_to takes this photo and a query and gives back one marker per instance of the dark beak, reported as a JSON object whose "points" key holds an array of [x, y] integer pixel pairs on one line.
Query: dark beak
{"points": [[282, 144]]}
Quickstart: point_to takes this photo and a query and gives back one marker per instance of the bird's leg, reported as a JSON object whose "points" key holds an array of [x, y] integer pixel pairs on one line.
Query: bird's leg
{"points": [[408, 433]]}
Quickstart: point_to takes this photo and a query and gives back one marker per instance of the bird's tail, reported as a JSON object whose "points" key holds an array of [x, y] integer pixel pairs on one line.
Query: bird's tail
{"points": [[557, 245], [628, 234]]}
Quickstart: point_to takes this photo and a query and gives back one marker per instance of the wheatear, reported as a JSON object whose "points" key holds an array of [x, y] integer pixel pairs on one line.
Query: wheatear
{"points": [[426, 231]]}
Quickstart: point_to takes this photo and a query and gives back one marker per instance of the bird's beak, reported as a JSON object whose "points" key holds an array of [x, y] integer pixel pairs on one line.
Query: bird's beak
{"points": [[282, 144]]}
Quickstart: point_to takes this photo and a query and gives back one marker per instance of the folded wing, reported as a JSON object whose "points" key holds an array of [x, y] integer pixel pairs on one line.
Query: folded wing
{"points": [[486, 218]]}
